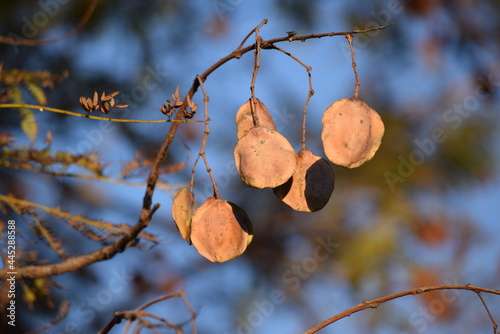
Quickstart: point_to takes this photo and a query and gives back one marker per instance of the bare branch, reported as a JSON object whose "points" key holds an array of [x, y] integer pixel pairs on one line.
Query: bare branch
{"points": [[374, 303], [78, 262], [250, 33], [495, 326], [139, 314]]}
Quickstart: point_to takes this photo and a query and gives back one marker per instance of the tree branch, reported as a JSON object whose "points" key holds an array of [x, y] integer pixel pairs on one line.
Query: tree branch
{"points": [[75, 263], [374, 303], [36, 42]]}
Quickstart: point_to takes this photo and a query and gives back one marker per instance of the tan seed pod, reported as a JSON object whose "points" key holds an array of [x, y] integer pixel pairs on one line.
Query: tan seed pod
{"points": [[182, 208], [310, 187], [352, 132], [264, 158], [244, 119], [220, 230]]}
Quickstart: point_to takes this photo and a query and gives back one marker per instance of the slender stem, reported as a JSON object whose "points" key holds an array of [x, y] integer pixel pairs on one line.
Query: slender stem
{"points": [[495, 326], [309, 94], [354, 67], [204, 142], [253, 101], [67, 112], [250, 33]]}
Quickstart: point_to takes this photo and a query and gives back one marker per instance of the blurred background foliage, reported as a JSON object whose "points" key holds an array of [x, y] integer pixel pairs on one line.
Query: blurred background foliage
{"points": [[424, 211]]}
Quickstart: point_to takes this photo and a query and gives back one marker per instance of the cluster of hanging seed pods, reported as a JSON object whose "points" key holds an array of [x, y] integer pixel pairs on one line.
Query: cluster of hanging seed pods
{"points": [[351, 135]]}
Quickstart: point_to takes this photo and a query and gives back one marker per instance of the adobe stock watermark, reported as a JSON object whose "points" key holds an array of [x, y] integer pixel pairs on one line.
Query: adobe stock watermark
{"points": [[223, 6], [94, 137], [33, 24], [292, 278], [380, 18], [452, 119], [282, 118], [421, 318], [87, 309]]}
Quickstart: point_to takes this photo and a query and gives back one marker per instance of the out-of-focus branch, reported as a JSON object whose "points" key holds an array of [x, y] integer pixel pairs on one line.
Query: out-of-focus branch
{"points": [[36, 42], [139, 315]]}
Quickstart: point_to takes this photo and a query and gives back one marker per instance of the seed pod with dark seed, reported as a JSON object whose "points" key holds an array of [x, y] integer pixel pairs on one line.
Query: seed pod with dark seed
{"points": [[310, 187]]}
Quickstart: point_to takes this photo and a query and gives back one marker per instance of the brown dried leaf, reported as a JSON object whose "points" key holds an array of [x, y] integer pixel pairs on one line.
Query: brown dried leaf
{"points": [[175, 95], [121, 105], [96, 99], [84, 103]]}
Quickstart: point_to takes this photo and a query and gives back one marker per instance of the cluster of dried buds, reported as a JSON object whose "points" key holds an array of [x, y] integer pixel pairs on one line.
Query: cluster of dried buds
{"points": [[104, 104], [175, 103]]}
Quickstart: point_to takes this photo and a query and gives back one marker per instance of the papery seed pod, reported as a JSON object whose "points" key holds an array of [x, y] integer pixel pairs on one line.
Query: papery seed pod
{"points": [[311, 186], [182, 208], [220, 230], [264, 158], [244, 119], [352, 132]]}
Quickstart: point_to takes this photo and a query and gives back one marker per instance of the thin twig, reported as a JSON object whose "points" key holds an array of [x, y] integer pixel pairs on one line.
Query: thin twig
{"points": [[250, 33], [309, 94], [374, 303], [354, 67], [495, 326], [256, 66], [36, 42], [203, 144], [139, 314], [67, 112]]}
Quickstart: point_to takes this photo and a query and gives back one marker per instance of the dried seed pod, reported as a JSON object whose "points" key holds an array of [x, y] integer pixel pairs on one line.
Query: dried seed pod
{"points": [[264, 158], [182, 211], [244, 119], [311, 186], [220, 230], [352, 132]]}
